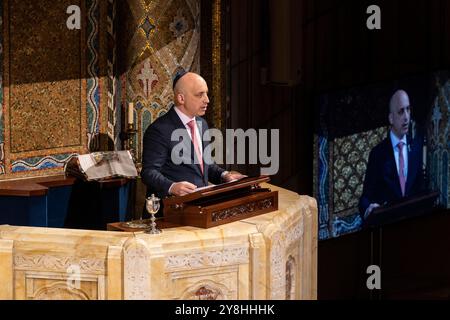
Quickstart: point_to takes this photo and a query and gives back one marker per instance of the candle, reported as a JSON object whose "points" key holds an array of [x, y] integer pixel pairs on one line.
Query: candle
{"points": [[424, 155], [130, 113]]}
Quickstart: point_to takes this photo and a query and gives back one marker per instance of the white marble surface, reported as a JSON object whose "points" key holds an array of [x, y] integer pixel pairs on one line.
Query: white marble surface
{"points": [[271, 256]]}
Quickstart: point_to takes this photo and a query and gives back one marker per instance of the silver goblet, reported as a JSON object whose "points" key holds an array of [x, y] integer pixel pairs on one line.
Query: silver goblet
{"points": [[152, 205]]}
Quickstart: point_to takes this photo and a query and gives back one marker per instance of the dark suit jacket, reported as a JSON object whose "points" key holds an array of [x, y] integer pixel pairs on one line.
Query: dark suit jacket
{"points": [[158, 169], [381, 183]]}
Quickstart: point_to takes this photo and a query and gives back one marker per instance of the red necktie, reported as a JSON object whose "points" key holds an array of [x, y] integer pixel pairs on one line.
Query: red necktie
{"points": [[401, 161], [191, 125]]}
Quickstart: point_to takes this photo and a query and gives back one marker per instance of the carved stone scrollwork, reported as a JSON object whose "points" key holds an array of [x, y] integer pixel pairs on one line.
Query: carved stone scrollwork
{"points": [[242, 209], [228, 256], [276, 259], [58, 263]]}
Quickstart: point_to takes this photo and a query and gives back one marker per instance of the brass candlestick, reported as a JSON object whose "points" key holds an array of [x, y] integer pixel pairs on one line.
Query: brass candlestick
{"points": [[130, 145], [130, 135]]}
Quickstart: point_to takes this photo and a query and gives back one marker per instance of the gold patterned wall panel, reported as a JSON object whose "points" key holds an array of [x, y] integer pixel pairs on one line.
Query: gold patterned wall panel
{"points": [[438, 138], [45, 80], [61, 93], [55, 84], [43, 87]]}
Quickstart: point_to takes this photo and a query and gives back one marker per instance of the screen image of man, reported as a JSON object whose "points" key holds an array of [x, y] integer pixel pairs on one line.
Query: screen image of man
{"points": [[161, 173], [394, 170]]}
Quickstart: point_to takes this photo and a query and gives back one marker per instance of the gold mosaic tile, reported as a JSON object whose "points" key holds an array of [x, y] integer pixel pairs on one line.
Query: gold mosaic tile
{"points": [[55, 79], [45, 115], [45, 77], [44, 88]]}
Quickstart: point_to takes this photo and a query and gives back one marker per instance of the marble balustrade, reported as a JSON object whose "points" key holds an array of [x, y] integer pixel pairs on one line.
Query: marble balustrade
{"points": [[270, 256]]}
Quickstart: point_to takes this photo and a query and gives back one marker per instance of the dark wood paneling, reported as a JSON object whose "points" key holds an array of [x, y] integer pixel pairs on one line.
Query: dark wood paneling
{"points": [[257, 105], [34, 186]]}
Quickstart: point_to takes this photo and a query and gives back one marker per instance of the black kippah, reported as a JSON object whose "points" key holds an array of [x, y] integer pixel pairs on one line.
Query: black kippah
{"points": [[178, 75]]}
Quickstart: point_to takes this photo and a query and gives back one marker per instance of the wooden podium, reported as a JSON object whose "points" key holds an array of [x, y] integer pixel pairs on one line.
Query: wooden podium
{"points": [[220, 204], [406, 208]]}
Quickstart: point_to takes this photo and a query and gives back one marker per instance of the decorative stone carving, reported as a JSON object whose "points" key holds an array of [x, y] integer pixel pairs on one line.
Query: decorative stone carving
{"points": [[205, 293], [227, 256], [277, 256], [276, 262], [136, 270], [60, 291], [290, 278], [295, 233], [259, 258], [206, 290], [58, 263]]}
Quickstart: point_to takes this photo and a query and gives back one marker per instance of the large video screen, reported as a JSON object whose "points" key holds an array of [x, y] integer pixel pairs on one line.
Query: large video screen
{"points": [[361, 178]]}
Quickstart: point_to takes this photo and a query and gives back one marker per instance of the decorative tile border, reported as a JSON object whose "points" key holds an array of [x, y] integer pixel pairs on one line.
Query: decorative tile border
{"points": [[93, 69], [41, 163]]}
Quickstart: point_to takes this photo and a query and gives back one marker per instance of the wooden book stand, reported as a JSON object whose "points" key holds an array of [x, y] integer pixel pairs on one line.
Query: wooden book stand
{"points": [[224, 203]]}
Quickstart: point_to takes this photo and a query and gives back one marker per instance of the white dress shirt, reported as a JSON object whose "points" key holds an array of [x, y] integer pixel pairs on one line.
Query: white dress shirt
{"points": [[185, 119]]}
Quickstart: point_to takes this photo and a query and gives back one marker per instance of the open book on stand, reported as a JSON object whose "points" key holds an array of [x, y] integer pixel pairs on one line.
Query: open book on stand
{"points": [[102, 165]]}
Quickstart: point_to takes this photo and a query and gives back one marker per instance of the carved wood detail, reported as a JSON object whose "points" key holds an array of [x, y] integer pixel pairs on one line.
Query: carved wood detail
{"points": [[242, 209]]}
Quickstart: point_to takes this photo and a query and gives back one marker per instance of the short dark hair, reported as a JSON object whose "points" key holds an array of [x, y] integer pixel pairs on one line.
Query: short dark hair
{"points": [[178, 75]]}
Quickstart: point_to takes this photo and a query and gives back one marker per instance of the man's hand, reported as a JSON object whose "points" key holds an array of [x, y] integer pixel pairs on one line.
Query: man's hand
{"points": [[370, 209], [231, 176], [182, 188]]}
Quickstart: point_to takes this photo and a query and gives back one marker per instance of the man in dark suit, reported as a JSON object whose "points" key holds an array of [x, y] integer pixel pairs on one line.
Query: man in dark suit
{"points": [[165, 170], [394, 170]]}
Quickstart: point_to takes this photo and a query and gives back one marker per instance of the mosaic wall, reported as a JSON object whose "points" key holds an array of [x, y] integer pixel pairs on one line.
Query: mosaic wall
{"points": [[65, 92], [164, 37], [438, 138], [2, 121], [52, 104]]}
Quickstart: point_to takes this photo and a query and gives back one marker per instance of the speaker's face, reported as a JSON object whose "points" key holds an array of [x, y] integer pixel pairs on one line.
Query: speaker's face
{"points": [[400, 115]]}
